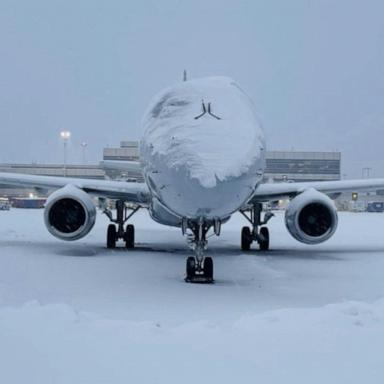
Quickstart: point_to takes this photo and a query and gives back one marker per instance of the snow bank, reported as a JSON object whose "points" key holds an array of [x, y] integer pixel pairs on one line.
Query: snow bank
{"points": [[337, 343], [211, 149]]}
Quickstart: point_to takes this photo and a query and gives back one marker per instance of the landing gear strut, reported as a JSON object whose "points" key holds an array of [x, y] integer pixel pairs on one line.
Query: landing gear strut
{"points": [[199, 268], [117, 232], [257, 233]]}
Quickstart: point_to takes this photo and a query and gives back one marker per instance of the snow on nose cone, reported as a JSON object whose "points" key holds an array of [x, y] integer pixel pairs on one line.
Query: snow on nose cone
{"points": [[212, 149]]}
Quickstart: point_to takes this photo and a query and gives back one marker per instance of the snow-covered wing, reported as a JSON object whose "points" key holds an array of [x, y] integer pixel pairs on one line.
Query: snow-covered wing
{"points": [[132, 192], [275, 191]]}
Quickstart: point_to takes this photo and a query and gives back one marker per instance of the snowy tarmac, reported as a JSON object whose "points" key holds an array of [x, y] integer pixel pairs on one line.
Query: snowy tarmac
{"points": [[80, 313]]}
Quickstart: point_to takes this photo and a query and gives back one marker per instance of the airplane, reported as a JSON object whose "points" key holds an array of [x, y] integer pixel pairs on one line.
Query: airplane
{"points": [[203, 159]]}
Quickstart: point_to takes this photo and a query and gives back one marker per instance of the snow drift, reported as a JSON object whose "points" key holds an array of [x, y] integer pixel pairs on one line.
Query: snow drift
{"points": [[337, 343]]}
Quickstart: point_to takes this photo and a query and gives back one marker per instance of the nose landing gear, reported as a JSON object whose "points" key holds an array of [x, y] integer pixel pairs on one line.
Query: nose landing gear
{"points": [[199, 269]]}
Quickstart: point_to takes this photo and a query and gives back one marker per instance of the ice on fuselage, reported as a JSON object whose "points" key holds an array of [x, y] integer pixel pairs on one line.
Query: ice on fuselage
{"points": [[210, 149]]}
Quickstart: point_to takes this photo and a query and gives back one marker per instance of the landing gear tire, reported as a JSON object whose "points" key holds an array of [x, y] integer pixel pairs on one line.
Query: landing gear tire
{"points": [[246, 239], [203, 275], [129, 236], [111, 236], [264, 241], [208, 268], [191, 268]]}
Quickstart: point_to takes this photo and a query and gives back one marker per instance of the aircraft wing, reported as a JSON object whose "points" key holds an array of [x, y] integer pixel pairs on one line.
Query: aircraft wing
{"points": [[121, 165], [276, 191], [130, 192]]}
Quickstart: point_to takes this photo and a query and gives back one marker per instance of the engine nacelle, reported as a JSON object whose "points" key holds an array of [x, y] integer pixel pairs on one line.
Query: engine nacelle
{"points": [[69, 213], [311, 217]]}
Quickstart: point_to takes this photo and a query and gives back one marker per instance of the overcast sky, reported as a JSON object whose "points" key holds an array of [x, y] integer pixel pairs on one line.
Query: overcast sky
{"points": [[315, 70]]}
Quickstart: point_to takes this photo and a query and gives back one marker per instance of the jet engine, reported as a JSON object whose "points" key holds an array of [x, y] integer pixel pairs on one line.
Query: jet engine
{"points": [[69, 213], [311, 217]]}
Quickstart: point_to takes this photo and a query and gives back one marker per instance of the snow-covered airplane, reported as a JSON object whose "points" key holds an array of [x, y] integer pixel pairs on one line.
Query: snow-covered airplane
{"points": [[203, 159]]}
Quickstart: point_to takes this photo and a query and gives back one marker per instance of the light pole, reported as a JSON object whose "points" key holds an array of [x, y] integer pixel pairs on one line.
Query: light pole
{"points": [[83, 147], [366, 172], [65, 135]]}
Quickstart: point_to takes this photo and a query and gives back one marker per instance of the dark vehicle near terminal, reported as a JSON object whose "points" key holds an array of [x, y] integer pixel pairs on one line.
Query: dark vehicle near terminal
{"points": [[33, 203], [375, 206], [5, 205]]}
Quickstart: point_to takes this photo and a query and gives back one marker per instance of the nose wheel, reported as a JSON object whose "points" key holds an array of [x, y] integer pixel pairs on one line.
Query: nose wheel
{"points": [[202, 274]]}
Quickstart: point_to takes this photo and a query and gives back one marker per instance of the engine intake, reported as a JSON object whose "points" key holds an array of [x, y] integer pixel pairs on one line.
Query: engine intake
{"points": [[69, 213], [311, 217]]}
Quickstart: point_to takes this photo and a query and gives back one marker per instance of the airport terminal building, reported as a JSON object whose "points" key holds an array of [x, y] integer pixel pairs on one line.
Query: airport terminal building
{"points": [[303, 166], [281, 166], [128, 151]]}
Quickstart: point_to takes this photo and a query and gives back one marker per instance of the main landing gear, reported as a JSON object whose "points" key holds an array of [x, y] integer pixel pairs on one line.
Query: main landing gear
{"points": [[199, 269], [117, 232], [257, 233]]}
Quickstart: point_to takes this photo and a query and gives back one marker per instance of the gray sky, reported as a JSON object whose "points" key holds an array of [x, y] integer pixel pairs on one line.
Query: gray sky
{"points": [[315, 70]]}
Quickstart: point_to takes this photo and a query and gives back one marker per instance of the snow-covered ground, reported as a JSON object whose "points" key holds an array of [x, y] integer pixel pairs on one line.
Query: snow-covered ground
{"points": [[79, 313]]}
